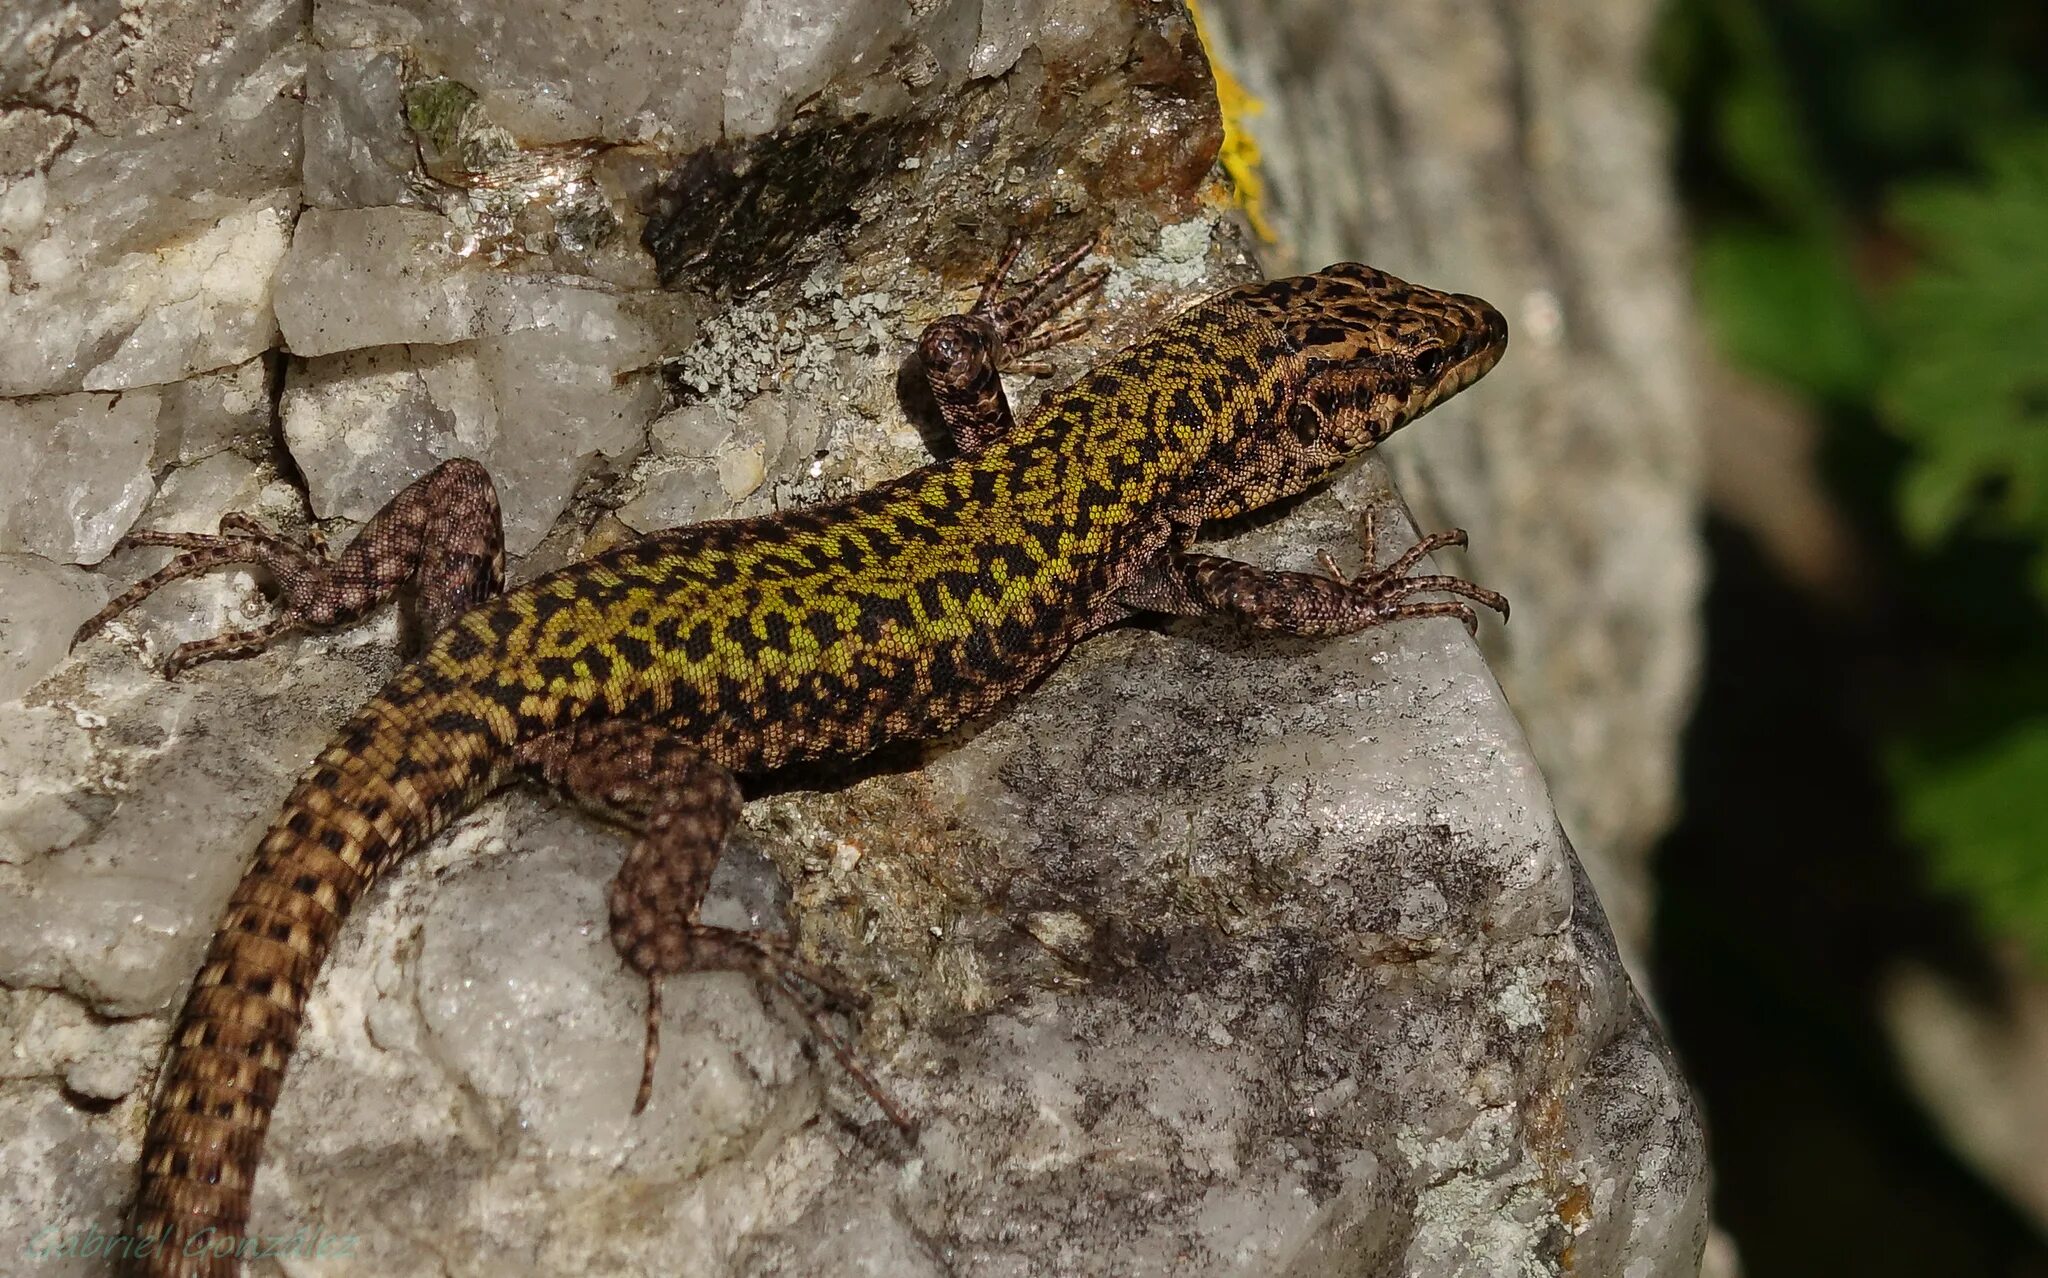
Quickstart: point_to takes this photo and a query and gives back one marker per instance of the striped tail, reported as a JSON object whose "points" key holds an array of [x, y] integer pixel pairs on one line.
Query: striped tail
{"points": [[387, 783]]}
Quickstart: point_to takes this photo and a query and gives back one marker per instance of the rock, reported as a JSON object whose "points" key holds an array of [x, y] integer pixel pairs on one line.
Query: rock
{"points": [[194, 497], [103, 890], [81, 466], [426, 353], [539, 409], [1524, 159], [360, 278], [214, 413], [1976, 1062], [1213, 956], [41, 604], [142, 257], [48, 1137], [359, 152], [1316, 992]]}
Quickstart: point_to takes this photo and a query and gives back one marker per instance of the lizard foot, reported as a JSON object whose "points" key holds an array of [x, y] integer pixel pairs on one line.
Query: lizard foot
{"points": [[1022, 319], [1382, 593], [442, 534], [775, 963], [963, 356], [240, 541]]}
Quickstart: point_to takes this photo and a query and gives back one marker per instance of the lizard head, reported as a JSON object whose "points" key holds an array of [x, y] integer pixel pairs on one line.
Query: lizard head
{"points": [[1374, 352]]}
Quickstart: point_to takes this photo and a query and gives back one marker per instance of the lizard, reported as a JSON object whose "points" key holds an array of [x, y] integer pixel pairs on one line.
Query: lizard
{"points": [[645, 681]]}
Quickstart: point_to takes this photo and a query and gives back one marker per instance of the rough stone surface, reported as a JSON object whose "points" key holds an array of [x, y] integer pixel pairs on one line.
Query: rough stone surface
{"points": [[1522, 156], [1214, 956], [146, 253], [214, 413], [81, 472], [540, 410], [41, 603], [359, 153]]}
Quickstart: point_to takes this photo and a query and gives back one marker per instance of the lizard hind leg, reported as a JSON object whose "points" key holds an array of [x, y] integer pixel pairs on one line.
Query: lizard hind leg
{"points": [[442, 534], [682, 806], [964, 356]]}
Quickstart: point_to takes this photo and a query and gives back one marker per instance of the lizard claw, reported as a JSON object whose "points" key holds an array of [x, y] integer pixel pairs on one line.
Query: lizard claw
{"points": [[1387, 589], [802, 985], [241, 540], [1022, 319]]}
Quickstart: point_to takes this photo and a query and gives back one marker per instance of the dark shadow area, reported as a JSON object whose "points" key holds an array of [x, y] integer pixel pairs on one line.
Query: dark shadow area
{"points": [[1785, 895]]}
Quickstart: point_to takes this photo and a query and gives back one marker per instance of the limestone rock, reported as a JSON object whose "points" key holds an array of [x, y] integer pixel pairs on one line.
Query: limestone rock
{"points": [[213, 413], [359, 153], [41, 604], [145, 256], [539, 409], [81, 472], [1213, 956], [1524, 159]]}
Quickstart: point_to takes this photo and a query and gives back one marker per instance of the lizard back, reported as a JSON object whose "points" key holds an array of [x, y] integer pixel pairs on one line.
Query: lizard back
{"points": [[893, 614]]}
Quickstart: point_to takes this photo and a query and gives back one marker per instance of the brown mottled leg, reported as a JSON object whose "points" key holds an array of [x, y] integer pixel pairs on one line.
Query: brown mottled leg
{"points": [[682, 805], [442, 533], [964, 355], [1306, 603]]}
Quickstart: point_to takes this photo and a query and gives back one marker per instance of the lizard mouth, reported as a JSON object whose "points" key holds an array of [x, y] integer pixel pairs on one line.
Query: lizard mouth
{"points": [[1483, 344]]}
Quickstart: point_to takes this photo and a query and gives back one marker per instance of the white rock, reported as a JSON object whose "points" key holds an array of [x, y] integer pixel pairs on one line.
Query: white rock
{"points": [[83, 463], [205, 303], [145, 258], [107, 918], [213, 412], [365, 424], [358, 278], [51, 1200], [41, 604], [374, 277], [783, 53], [193, 498], [359, 152], [612, 69], [49, 752]]}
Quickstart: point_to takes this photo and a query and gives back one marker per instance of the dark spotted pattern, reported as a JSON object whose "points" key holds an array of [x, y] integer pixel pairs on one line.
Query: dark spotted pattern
{"points": [[642, 680]]}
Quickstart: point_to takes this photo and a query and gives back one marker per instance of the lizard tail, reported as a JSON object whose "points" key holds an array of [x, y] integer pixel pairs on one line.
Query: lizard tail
{"points": [[398, 771]]}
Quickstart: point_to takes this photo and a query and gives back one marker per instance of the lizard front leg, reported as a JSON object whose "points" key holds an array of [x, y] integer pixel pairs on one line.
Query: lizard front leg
{"points": [[682, 806], [442, 533], [964, 356], [1328, 603]]}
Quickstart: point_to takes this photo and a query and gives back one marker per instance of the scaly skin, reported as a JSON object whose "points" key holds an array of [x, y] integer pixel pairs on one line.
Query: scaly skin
{"points": [[643, 679]]}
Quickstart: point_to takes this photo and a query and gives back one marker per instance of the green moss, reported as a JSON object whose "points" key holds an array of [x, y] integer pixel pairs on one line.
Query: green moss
{"points": [[1982, 813], [434, 109]]}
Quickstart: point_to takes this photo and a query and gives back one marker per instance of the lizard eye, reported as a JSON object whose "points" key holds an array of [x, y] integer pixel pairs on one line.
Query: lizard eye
{"points": [[1429, 361]]}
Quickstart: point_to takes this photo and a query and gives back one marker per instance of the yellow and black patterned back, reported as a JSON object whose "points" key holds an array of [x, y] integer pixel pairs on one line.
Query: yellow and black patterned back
{"points": [[896, 613]]}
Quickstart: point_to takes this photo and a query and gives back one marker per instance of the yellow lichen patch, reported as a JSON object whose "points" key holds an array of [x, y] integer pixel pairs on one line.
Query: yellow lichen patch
{"points": [[1240, 153]]}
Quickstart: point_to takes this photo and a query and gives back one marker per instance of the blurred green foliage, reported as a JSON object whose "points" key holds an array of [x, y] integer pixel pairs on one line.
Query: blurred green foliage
{"points": [[1786, 305], [1969, 389], [1868, 182], [1982, 810]]}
